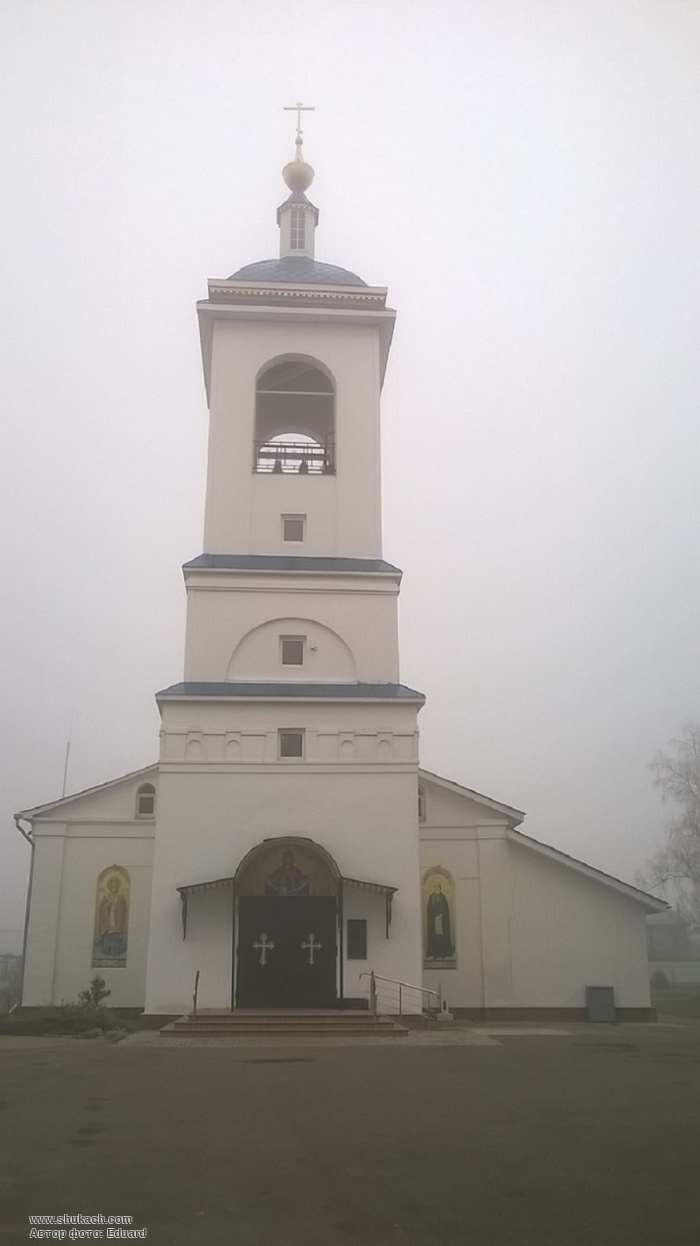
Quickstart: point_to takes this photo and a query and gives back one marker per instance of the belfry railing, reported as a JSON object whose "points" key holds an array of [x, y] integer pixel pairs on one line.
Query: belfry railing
{"points": [[390, 995], [301, 457]]}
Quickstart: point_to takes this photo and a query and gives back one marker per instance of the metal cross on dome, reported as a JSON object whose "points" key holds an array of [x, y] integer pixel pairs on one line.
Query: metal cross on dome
{"points": [[311, 946], [264, 945], [299, 108]]}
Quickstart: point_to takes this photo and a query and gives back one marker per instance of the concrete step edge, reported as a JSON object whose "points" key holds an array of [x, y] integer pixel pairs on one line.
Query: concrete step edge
{"points": [[284, 1033]]}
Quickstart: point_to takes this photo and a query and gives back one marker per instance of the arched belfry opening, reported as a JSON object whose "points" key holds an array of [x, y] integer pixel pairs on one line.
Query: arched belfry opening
{"points": [[295, 419], [286, 937]]}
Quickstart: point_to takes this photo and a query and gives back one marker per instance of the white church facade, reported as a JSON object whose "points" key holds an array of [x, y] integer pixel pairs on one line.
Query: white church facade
{"points": [[286, 843]]}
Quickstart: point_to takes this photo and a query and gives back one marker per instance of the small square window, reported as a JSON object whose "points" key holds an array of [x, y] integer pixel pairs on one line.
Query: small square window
{"points": [[357, 939], [292, 650], [291, 743], [293, 528]]}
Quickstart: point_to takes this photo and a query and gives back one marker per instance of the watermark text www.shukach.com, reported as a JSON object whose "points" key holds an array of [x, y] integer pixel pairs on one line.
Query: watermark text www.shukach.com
{"points": [[83, 1228]]}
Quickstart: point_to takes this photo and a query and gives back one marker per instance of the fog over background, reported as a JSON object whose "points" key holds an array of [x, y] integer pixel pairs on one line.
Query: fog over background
{"points": [[523, 176]]}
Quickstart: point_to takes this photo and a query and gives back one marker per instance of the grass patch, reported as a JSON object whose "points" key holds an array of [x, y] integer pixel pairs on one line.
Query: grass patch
{"points": [[70, 1019], [676, 1003]]}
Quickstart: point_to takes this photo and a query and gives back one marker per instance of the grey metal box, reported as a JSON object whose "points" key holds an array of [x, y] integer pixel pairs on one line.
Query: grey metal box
{"points": [[600, 1004]]}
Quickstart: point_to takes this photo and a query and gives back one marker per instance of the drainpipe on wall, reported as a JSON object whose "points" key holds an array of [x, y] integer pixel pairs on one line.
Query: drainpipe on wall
{"points": [[30, 840]]}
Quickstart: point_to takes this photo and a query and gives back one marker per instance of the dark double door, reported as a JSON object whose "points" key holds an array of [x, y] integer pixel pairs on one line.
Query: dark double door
{"points": [[286, 952]]}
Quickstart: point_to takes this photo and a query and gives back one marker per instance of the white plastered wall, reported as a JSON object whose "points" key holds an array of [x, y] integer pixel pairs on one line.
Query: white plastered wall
{"points": [[212, 813], [73, 845], [369, 907], [244, 507], [240, 733], [362, 613], [468, 840], [569, 932], [531, 931]]}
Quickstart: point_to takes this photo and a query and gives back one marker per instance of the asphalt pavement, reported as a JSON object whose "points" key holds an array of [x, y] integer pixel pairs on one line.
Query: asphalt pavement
{"points": [[584, 1135]]}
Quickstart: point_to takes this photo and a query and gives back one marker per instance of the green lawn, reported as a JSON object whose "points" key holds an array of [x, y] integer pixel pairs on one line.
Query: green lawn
{"points": [[677, 1002]]}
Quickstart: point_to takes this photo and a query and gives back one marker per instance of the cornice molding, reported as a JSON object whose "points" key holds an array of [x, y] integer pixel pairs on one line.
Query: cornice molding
{"points": [[294, 295], [303, 294]]}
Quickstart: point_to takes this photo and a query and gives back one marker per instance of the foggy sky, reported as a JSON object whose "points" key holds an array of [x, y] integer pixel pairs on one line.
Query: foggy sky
{"points": [[523, 177]]}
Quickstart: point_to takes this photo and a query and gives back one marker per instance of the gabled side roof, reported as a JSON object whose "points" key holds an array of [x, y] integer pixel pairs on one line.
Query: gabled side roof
{"points": [[28, 814], [651, 903], [514, 816]]}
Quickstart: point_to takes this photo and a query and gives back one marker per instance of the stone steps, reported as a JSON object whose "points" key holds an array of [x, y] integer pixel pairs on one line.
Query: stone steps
{"points": [[248, 1022]]}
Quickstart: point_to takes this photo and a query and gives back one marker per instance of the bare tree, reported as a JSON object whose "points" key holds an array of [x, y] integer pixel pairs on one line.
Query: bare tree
{"points": [[677, 864]]}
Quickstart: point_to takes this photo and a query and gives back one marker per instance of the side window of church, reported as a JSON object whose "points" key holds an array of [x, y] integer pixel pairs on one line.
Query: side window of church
{"points": [[292, 650], [421, 805], [291, 743], [146, 801], [357, 939]]}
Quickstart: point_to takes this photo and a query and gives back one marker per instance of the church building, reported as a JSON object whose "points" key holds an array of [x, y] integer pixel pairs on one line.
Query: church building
{"points": [[287, 844]]}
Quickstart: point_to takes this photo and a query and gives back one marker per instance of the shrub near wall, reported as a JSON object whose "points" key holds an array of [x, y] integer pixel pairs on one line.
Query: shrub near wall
{"points": [[69, 1019]]}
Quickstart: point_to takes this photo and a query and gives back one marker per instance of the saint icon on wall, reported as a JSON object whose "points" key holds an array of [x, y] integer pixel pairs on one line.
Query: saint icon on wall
{"points": [[287, 879], [111, 919], [439, 919]]}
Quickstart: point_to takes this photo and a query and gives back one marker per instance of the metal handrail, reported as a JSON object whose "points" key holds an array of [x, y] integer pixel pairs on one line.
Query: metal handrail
{"points": [[302, 457], [410, 986]]}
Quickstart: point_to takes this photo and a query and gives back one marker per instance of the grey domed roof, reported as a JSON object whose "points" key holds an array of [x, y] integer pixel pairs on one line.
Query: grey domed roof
{"points": [[297, 268]]}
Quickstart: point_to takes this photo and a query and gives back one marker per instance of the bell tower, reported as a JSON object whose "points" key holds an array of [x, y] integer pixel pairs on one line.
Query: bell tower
{"points": [[290, 719], [294, 355]]}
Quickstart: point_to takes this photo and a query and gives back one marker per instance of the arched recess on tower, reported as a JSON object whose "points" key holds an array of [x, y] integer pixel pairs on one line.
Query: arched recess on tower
{"points": [[326, 656], [295, 416]]}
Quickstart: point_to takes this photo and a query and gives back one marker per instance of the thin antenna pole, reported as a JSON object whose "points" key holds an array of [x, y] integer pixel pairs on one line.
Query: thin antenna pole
{"points": [[65, 768], [65, 764]]}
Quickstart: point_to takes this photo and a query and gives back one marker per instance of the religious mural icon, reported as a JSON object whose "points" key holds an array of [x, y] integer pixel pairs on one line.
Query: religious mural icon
{"points": [[439, 919], [287, 879], [111, 919]]}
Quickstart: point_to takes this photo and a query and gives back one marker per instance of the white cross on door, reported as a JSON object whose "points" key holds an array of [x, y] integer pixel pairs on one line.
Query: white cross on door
{"points": [[311, 946], [264, 945]]}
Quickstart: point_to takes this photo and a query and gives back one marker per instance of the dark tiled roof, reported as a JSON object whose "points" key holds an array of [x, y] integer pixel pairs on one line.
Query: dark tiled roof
{"points": [[298, 196], [285, 562], [295, 691], [297, 268]]}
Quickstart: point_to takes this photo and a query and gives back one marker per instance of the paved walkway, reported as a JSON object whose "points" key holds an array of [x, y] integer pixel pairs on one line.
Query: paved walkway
{"points": [[476, 1035], [460, 1035]]}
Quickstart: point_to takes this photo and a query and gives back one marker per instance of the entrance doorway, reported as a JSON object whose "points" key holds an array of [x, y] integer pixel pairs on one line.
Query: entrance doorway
{"points": [[286, 950]]}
